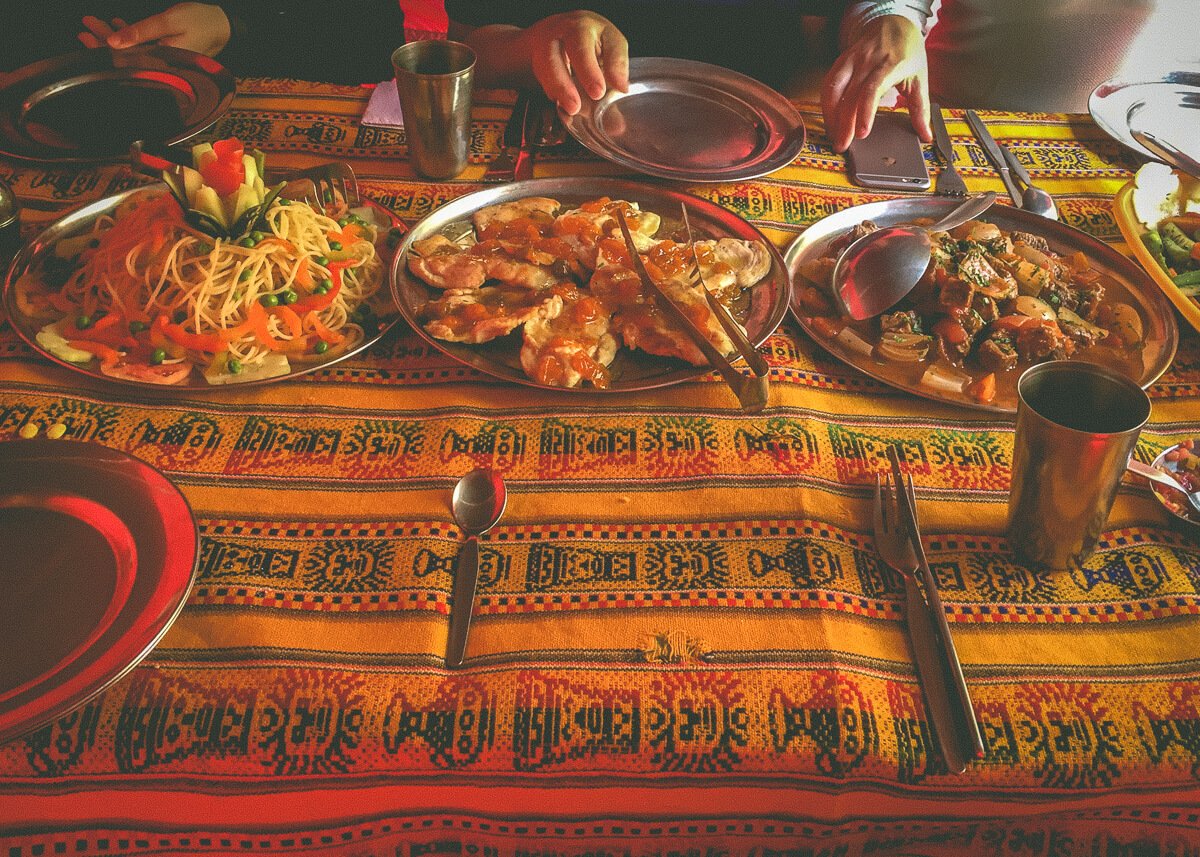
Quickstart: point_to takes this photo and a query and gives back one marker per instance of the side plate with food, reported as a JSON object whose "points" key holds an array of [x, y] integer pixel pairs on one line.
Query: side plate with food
{"points": [[1003, 292], [1159, 216], [240, 285], [531, 282]]}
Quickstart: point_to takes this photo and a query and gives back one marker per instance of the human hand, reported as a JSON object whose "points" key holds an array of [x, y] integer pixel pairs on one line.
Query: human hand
{"points": [[198, 27], [889, 51], [582, 44]]}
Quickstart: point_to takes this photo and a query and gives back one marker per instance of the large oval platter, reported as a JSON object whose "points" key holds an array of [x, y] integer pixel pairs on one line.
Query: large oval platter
{"points": [[1123, 280], [79, 222], [765, 306]]}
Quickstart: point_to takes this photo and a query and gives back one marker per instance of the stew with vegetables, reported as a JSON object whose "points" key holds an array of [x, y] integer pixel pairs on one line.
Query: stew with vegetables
{"points": [[991, 303]]}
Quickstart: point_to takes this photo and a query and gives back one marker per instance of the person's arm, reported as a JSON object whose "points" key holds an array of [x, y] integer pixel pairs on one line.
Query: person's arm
{"points": [[883, 46], [562, 53]]}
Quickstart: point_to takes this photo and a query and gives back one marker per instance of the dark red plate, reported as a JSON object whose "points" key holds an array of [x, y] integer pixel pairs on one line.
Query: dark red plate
{"points": [[98, 553]]}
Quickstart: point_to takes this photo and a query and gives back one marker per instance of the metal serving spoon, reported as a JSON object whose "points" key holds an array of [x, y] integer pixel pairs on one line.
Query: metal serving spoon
{"points": [[880, 268], [478, 502]]}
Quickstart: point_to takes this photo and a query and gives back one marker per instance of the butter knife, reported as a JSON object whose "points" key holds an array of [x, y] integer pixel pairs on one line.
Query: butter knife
{"points": [[992, 150], [1165, 151], [504, 167]]}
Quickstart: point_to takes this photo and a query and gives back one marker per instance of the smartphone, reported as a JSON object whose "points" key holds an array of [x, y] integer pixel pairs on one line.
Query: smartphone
{"points": [[890, 156]]}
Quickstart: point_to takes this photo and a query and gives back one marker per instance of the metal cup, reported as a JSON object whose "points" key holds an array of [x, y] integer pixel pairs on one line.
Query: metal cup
{"points": [[433, 78], [1077, 424]]}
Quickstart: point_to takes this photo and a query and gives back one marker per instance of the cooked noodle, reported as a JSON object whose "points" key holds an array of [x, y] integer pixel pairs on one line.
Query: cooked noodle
{"points": [[147, 262]]}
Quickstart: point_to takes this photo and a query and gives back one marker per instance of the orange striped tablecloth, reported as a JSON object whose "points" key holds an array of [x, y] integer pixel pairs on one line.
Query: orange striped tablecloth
{"points": [[684, 642]]}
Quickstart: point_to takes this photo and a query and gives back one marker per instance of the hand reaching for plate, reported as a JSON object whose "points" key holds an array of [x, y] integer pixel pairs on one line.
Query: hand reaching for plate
{"points": [[198, 27]]}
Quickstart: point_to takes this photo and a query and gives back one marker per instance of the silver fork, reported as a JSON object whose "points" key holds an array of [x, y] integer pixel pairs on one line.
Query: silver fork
{"points": [[330, 181], [936, 661], [949, 182]]}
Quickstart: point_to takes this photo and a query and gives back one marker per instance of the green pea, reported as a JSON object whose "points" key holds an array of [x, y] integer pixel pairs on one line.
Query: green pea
{"points": [[234, 366], [321, 347], [138, 326], [321, 260], [158, 356], [269, 300], [290, 297], [325, 285], [248, 241], [257, 236], [244, 275], [335, 245], [342, 221], [83, 322], [328, 197]]}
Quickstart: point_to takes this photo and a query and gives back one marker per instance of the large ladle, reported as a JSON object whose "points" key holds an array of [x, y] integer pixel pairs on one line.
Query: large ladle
{"points": [[880, 268], [478, 502]]}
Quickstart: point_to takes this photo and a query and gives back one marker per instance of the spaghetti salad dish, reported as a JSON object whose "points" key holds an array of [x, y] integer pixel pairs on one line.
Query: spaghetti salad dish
{"points": [[151, 295]]}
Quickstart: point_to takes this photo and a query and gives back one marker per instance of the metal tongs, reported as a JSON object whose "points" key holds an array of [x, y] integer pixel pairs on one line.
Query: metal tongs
{"points": [[751, 390]]}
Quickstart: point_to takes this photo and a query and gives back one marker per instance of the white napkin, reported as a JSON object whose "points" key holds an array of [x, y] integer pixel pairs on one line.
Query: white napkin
{"points": [[383, 110]]}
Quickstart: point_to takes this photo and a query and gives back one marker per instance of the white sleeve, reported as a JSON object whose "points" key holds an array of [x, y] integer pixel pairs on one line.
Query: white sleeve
{"points": [[858, 14]]}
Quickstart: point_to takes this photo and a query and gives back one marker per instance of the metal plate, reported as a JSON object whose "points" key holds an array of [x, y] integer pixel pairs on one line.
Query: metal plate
{"points": [[100, 553], [631, 370], [1123, 280], [80, 221], [1168, 107], [90, 105], [691, 121]]}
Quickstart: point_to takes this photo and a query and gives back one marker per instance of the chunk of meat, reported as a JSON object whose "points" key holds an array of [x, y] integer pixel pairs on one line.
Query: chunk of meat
{"points": [[572, 347], [534, 207], [997, 354], [445, 265], [642, 324], [584, 228], [481, 315], [731, 265]]}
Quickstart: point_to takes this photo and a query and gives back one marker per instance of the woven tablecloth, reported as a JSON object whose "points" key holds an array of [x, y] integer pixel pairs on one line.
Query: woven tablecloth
{"points": [[684, 641]]}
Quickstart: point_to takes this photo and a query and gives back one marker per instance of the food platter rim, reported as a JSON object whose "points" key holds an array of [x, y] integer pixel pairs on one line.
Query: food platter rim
{"points": [[792, 136], [902, 208], [68, 224], [461, 208], [223, 80], [175, 513]]}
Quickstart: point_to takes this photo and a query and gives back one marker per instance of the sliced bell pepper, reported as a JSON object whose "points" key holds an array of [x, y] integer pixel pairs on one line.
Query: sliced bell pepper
{"points": [[319, 302], [313, 322], [210, 342]]}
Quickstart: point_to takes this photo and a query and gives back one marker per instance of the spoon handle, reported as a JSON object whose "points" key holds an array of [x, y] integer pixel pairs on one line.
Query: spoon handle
{"points": [[462, 600], [972, 208]]}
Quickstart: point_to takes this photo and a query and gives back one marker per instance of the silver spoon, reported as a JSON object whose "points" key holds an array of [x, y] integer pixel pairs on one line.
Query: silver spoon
{"points": [[478, 502], [882, 267], [1163, 477], [1033, 199]]}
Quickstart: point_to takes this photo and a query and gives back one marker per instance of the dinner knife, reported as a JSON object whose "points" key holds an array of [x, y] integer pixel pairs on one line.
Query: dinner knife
{"points": [[968, 735], [504, 167], [994, 155]]}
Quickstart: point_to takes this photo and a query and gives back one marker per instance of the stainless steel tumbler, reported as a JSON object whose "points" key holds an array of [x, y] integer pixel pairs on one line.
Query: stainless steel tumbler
{"points": [[434, 79], [1077, 424]]}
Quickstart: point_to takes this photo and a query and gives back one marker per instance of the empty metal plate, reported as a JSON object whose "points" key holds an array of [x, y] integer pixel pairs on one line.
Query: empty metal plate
{"points": [[1167, 107], [691, 121]]}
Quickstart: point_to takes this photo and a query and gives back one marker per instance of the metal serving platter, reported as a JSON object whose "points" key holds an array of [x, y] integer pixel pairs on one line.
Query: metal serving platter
{"points": [[1123, 280], [690, 121], [764, 309], [80, 221], [90, 105], [101, 553], [1167, 106]]}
